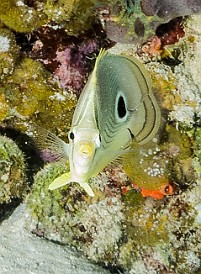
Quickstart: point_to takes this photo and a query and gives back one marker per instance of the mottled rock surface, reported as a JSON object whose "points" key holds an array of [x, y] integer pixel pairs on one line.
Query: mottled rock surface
{"points": [[22, 252]]}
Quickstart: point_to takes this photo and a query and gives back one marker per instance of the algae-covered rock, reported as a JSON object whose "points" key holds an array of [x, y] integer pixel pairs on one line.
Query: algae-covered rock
{"points": [[20, 17], [8, 52], [12, 171], [117, 230], [136, 21], [197, 161], [69, 216], [75, 15], [3, 106], [23, 16], [31, 93], [163, 236]]}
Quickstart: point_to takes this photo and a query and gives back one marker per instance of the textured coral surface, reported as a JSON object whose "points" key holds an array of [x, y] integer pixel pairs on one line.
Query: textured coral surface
{"points": [[12, 171]]}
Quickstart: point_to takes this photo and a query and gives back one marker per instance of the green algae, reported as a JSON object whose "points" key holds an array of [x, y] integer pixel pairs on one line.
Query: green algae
{"points": [[164, 88], [70, 14], [12, 171], [31, 93], [196, 134], [69, 216], [20, 17]]}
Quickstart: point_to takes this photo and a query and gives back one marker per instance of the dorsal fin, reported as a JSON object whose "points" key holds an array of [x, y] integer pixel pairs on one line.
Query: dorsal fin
{"points": [[100, 56]]}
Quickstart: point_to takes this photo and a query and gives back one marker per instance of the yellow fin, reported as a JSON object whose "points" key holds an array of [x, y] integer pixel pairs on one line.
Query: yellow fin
{"points": [[101, 54], [87, 188], [65, 179], [60, 181]]}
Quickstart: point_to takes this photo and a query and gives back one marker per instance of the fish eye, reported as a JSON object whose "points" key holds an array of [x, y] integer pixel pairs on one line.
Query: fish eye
{"points": [[71, 135]]}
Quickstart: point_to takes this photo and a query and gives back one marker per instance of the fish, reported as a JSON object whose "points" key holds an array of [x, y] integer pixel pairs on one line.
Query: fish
{"points": [[116, 108]]}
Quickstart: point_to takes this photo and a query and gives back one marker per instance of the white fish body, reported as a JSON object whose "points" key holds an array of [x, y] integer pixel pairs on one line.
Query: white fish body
{"points": [[116, 107]]}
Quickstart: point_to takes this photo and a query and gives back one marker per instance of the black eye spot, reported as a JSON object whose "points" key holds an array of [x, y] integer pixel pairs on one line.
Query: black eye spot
{"points": [[71, 135], [121, 107]]}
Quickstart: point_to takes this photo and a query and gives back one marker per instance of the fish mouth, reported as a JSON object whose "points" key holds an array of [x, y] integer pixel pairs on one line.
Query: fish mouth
{"points": [[86, 149], [82, 158]]}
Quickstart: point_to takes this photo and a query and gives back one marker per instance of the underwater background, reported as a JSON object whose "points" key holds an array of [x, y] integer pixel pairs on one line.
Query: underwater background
{"points": [[145, 216]]}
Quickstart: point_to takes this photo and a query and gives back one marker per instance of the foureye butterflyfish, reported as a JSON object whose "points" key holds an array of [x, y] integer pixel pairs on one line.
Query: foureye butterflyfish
{"points": [[115, 108]]}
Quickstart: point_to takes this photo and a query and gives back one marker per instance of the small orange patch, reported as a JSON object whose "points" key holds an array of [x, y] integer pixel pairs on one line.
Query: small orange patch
{"points": [[164, 190]]}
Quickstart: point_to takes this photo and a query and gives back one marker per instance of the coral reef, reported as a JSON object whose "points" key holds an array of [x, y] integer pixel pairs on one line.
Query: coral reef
{"points": [[162, 235], [70, 14], [158, 163], [136, 21], [26, 16], [129, 232], [72, 217], [12, 171], [31, 93], [47, 51], [69, 58]]}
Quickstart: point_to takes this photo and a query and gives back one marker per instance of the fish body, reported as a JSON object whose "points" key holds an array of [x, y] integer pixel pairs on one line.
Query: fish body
{"points": [[116, 107]]}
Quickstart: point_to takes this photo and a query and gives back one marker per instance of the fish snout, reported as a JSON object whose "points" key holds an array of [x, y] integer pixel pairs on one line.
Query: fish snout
{"points": [[86, 149]]}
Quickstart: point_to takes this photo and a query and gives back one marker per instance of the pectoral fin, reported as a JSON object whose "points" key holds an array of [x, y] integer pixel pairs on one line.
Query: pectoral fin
{"points": [[87, 188], [60, 181], [65, 179]]}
